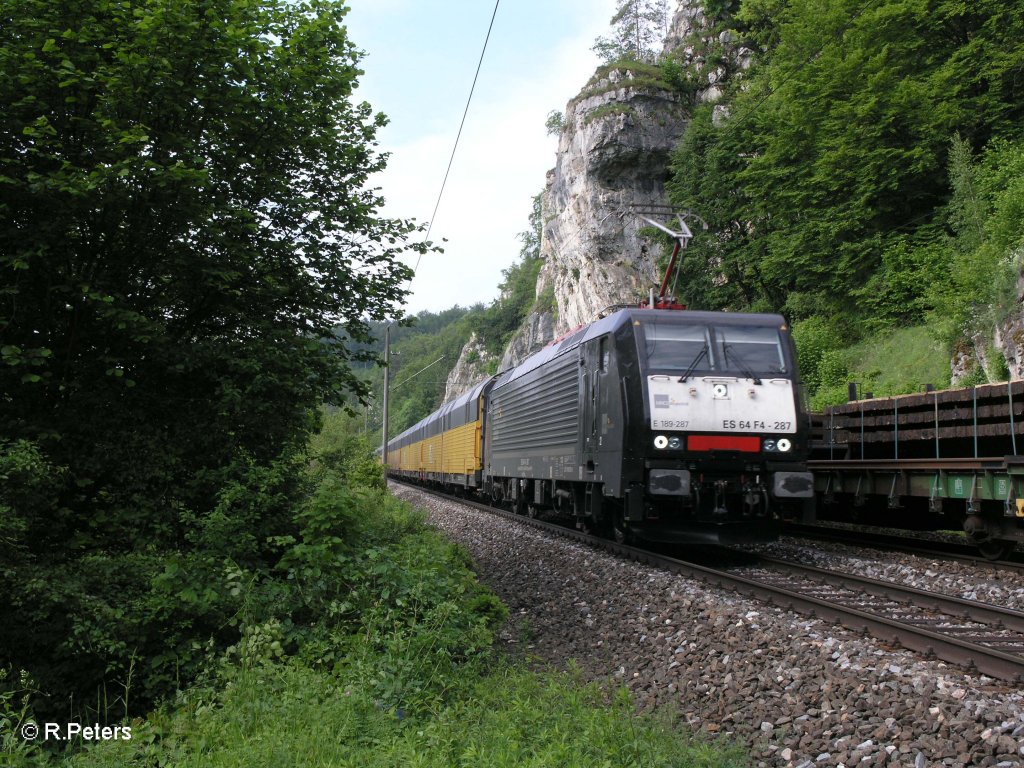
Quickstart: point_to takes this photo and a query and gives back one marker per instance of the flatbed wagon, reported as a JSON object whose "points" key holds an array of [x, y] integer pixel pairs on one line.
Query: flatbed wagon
{"points": [[931, 460]]}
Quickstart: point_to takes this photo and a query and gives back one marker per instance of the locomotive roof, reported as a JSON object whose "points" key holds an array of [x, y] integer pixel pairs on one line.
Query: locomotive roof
{"points": [[628, 316]]}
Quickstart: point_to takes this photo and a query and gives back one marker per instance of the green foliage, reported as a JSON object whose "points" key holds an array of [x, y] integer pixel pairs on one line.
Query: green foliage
{"points": [[340, 447], [386, 598], [899, 291], [184, 215], [29, 488], [174, 252], [890, 361], [546, 300], [760, 20], [722, 267], [823, 361], [988, 248], [554, 123], [495, 326], [16, 710], [837, 147], [289, 715]]}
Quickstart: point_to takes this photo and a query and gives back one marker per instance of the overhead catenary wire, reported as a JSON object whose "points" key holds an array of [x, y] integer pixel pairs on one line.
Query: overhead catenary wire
{"points": [[462, 124], [421, 370], [430, 224]]}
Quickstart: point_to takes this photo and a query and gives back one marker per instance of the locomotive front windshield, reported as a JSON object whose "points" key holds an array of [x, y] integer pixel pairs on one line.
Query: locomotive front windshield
{"points": [[739, 350]]}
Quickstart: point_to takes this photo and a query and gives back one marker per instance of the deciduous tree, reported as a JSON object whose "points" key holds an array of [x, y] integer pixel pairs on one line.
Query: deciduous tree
{"points": [[185, 215]]}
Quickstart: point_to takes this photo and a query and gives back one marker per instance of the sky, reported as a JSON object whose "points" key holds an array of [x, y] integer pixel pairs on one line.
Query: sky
{"points": [[421, 56]]}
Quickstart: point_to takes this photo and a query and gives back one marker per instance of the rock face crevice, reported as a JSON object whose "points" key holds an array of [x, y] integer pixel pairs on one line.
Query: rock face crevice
{"points": [[612, 163]]}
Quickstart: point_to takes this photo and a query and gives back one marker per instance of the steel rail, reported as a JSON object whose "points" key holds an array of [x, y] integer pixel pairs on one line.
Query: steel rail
{"points": [[924, 547], [936, 601], [982, 659]]}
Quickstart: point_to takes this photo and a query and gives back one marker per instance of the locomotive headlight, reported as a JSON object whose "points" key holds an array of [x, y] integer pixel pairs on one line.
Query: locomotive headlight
{"points": [[661, 442], [769, 445], [784, 445], [675, 443], [720, 391]]}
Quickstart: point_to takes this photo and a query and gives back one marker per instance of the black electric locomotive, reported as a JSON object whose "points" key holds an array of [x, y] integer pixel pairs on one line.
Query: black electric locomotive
{"points": [[665, 424], [652, 421]]}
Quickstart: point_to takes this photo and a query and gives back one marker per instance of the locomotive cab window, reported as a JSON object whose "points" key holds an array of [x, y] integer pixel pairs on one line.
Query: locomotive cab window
{"points": [[712, 349], [679, 347], [752, 348]]}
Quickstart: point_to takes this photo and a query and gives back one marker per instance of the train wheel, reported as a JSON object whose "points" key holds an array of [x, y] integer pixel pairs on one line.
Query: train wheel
{"points": [[519, 504], [995, 549], [621, 532]]}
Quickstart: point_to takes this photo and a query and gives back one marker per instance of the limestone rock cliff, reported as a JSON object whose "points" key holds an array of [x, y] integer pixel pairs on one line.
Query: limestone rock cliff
{"points": [[612, 163], [473, 366], [711, 53], [537, 331]]}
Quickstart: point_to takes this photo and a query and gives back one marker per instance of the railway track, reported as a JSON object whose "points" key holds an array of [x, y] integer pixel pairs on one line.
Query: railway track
{"points": [[986, 639], [965, 553]]}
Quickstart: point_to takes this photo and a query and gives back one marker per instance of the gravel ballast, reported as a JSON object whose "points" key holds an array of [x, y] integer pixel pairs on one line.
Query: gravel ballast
{"points": [[794, 690]]}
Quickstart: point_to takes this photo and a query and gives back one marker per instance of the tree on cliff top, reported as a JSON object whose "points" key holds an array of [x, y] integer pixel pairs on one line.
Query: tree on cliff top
{"points": [[638, 31]]}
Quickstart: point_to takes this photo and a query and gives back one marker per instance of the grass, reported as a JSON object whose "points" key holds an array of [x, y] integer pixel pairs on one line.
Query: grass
{"points": [[289, 715], [891, 362], [900, 361], [606, 110]]}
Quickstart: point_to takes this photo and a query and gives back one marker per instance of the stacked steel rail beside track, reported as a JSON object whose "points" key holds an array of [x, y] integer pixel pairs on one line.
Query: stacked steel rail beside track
{"points": [[951, 424], [952, 455]]}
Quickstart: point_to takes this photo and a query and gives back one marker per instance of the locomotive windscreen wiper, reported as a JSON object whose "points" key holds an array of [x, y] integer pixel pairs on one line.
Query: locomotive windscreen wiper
{"points": [[700, 356], [745, 369]]}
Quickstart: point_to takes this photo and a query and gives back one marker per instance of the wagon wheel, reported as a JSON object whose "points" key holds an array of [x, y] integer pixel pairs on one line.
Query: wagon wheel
{"points": [[621, 532], [995, 549], [519, 504]]}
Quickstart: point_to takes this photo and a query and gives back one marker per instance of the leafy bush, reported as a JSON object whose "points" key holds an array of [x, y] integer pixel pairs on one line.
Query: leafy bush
{"points": [[819, 343], [988, 251], [349, 454]]}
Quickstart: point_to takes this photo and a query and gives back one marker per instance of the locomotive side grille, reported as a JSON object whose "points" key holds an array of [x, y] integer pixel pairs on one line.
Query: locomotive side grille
{"points": [[543, 413]]}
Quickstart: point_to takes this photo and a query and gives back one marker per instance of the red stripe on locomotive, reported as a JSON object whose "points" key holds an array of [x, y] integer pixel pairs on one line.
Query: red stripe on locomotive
{"points": [[723, 443]]}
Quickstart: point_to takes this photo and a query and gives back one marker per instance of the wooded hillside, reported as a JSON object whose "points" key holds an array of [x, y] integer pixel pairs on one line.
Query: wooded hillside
{"points": [[864, 174]]}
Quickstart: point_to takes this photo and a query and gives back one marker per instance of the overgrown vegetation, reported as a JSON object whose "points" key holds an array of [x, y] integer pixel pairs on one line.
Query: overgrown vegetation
{"points": [[184, 216], [368, 644], [289, 715]]}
